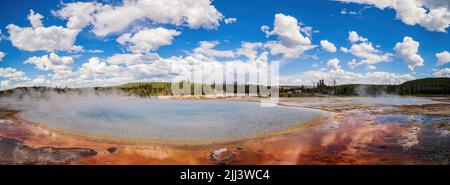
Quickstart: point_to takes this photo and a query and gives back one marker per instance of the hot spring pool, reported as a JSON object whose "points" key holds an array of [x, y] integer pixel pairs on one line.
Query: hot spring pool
{"points": [[168, 120]]}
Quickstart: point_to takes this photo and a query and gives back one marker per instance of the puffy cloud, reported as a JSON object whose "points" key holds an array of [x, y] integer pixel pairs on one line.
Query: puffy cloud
{"points": [[407, 50], [2, 55], [113, 18], [98, 69], [328, 46], [147, 40], [163, 69], [307, 30], [442, 72], [39, 80], [35, 19], [370, 56], [346, 77], [354, 37], [12, 74], [345, 12], [249, 50], [362, 48], [287, 30], [51, 62], [4, 84], [129, 59], [60, 66], [229, 20], [206, 49], [61, 74], [334, 63], [344, 49], [38, 37], [194, 13], [94, 51], [443, 58], [78, 14], [352, 63], [291, 43], [434, 15]]}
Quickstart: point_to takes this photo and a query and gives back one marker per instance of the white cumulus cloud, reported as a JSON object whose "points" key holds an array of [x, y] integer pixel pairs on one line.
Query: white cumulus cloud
{"points": [[115, 17], [291, 43], [4, 84], [443, 58], [407, 50], [61, 66], [51, 62], [2, 55], [133, 58], [434, 15], [35, 19], [95, 68], [147, 40], [207, 49], [363, 48], [442, 72], [328, 46], [249, 50], [78, 14], [40, 38], [229, 20], [12, 74], [39, 80], [354, 37], [334, 63]]}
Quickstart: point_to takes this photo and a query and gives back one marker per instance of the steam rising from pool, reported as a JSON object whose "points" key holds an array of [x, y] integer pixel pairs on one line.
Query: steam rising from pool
{"points": [[164, 119], [394, 100]]}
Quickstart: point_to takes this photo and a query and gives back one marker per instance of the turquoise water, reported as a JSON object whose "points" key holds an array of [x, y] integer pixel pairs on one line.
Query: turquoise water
{"points": [[170, 120]]}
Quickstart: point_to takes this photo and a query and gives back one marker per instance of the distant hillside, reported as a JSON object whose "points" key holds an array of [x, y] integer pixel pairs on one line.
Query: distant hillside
{"points": [[426, 86], [419, 87], [144, 89], [165, 88], [147, 88]]}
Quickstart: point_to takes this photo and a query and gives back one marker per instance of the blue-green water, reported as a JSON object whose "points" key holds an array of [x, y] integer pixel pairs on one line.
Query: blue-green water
{"points": [[170, 120]]}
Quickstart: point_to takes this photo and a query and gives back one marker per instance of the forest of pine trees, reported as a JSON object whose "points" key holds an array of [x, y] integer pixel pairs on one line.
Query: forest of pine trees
{"points": [[420, 87]]}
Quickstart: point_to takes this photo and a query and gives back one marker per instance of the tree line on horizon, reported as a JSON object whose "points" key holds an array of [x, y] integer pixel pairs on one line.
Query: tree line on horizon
{"points": [[419, 87], [427, 86]]}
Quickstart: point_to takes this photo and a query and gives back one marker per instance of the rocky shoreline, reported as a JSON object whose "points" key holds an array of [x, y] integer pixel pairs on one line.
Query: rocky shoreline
{"points": [[13, 151]]}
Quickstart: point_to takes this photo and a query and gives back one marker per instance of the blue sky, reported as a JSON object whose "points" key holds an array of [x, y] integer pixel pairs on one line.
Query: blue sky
{"points": [[382, 27]]}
